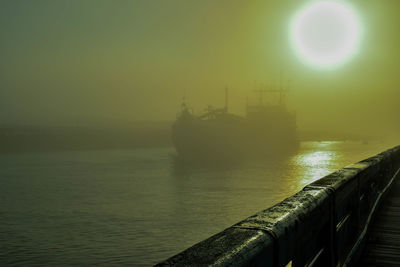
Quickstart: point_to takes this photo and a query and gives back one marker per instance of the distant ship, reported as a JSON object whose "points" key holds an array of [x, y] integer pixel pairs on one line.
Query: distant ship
{"points": [[265, 130]]}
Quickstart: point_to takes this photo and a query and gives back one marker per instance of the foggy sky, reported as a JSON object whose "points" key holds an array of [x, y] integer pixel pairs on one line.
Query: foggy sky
{"points": [[98, 62]]}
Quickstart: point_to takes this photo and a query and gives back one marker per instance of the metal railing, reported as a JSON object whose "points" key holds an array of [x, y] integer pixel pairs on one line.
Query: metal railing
{"points": [[322, 225]]}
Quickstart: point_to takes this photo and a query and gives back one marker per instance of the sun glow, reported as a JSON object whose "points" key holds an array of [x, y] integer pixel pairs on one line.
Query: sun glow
{"points": [[326, 34]]}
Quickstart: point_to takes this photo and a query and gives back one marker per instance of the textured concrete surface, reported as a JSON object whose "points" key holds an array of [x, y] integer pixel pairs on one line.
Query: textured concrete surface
{"points": [[232, 247]]}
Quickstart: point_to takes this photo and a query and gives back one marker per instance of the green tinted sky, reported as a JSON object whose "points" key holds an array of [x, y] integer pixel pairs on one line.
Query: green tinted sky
{"points": [[89, 62]]}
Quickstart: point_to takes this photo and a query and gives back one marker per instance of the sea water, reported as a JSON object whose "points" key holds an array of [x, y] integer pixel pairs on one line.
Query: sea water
{"points": [[138, 207]]}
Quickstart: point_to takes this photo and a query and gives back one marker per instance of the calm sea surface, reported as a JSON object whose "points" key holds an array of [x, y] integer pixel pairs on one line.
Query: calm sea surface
{"points": [[138, 207]]}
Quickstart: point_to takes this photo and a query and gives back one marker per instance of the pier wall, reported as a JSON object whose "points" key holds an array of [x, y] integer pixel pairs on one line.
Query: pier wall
{"points": [[325, 224]]}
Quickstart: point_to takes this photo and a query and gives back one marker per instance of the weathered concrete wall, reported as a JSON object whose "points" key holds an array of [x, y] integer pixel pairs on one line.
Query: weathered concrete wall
{"points": [[322, 225]]}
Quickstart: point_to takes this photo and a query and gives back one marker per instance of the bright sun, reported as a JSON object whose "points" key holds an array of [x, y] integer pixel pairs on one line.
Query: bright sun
{"points": [[325, 34]]}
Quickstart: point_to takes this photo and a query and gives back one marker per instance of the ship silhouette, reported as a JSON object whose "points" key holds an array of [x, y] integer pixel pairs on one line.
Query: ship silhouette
{"points": [[267, 130]]}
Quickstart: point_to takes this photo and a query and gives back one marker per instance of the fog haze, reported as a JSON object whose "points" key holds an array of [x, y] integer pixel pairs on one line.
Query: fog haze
{"points": [[103, 62]]}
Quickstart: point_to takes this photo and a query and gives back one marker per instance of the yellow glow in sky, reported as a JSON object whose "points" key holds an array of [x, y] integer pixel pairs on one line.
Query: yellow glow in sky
{"points": [[326, 34]]}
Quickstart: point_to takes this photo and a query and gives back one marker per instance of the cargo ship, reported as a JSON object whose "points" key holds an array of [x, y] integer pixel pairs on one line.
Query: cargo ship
{"points": [[266, 130]]}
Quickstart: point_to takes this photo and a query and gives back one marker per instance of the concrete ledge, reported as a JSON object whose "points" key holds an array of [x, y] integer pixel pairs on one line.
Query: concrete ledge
{"points": [[290, 222], [231, 247]]}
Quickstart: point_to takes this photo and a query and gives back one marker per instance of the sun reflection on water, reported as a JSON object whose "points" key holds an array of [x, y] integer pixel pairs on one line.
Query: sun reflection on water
{"points": [[316, 163]]}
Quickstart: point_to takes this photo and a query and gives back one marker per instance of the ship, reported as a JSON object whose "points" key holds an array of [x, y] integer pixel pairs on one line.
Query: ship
{"points": [[266, 130]]}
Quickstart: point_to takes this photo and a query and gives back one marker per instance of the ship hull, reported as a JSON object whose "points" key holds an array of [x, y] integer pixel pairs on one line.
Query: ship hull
{"points": [[215, 140]]}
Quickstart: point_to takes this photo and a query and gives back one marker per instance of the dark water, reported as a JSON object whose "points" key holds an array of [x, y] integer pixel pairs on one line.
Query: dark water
{"points": [[137, 207]]}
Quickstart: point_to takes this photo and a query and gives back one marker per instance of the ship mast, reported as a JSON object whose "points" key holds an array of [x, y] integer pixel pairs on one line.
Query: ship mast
{"points": [[226, 99], [261, 92]]}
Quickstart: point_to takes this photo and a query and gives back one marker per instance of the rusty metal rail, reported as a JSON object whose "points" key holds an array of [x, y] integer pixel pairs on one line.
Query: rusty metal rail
{"points": [[324, 224]]}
